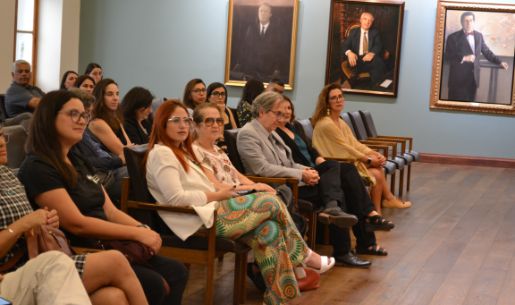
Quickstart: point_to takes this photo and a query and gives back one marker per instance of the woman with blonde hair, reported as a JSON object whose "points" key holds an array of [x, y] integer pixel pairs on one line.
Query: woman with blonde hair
{"points": [[334, 139]]}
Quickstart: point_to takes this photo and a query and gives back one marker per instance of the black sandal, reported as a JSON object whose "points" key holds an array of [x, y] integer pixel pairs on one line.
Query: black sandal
{"points": [[372, 250], [379, 223]]}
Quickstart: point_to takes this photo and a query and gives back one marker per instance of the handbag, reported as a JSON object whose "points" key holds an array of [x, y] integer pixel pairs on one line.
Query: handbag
{"points": [[46, 238], [136, 252]]}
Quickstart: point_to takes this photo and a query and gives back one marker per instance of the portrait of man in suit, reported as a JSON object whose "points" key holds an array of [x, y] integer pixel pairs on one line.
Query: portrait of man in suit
{"points": [[261, 40], [463, 51], [363, 48]]}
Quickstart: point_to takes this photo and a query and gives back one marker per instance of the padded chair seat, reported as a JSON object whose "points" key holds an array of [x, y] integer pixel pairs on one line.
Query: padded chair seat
{"points": [[415, 155], [200, 243], [400, 162], [408, 158], [390, 167]]}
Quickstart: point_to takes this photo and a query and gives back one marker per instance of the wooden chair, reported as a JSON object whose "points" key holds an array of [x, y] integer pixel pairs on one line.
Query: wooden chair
{"points": [[201, 248], [407, 153], [3, 111], [306, 208]]}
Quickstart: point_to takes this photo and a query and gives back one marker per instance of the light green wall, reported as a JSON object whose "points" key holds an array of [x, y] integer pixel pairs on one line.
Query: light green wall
{"points": [[161, 44]]}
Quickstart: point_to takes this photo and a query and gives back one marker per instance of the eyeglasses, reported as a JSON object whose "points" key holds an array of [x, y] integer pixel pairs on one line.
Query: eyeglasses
{"points": [[177, 120], [76, 115], [199, 90], [336, 97], [210, 121], [218, 94], [278, 114]]}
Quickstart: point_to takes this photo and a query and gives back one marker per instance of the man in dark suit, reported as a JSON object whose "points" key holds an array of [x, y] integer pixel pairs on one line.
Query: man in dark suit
{"points": [[265, 48], [462, 52], [363, 49]]}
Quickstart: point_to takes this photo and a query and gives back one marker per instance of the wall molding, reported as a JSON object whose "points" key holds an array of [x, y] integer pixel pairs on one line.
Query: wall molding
{"points": [[467, 160]]}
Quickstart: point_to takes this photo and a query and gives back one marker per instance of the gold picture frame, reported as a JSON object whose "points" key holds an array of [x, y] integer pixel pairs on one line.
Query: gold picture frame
{"points": [[473, 58], [261, 52], [376, 76]]}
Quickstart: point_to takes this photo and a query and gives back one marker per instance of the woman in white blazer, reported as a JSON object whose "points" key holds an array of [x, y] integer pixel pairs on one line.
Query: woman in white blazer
{"points": [[175, 177]]}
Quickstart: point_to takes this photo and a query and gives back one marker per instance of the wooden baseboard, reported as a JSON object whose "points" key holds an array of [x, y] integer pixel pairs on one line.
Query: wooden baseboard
{"points": [[467, 160]]}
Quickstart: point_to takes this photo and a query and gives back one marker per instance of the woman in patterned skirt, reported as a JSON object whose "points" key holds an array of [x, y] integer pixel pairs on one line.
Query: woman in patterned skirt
{"points": [[175, 177]]}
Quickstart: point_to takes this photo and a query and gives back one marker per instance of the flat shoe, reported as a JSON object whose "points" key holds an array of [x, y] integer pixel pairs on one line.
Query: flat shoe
{"points": [[326, 263], [378, 223], [395, 203]]}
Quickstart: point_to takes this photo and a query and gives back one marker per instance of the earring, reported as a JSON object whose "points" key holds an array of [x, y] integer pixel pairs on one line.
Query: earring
{"points": [[328, 111]]}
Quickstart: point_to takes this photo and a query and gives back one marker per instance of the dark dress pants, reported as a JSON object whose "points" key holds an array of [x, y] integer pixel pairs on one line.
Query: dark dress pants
{"points": [[151, 278]]}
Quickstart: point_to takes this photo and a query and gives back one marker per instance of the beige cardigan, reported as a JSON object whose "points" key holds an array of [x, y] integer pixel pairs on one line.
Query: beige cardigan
{"points": [[337, 141]]}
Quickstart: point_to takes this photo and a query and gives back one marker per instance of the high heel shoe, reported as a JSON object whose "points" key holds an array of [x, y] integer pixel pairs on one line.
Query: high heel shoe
{"points": [[326, 263]]}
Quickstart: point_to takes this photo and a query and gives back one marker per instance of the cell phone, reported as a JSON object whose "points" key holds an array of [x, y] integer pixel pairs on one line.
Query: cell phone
{"points": [[245, 192], [5, 301]]}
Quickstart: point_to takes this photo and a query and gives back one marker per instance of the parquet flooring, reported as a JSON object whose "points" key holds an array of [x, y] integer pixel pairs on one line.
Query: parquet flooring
{"points": [[455, 246]]}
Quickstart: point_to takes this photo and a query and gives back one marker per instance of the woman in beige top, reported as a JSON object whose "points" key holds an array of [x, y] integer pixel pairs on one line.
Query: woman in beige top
{"points": [[334, 139]]}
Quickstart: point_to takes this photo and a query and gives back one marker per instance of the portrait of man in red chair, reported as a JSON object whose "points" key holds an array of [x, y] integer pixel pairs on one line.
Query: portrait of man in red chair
{"points": [[364, 45]]}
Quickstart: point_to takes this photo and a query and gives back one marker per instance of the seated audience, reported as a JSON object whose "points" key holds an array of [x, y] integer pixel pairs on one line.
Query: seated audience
{"points": [[194, 94], [85, 83], [58, 270], [136, 108], [87, 214], [175, 177], [252, 89], [107, 122], [357, 200], [264, 153], [95, 71], [333, 138], [275, 85], [69, 79], [217, 94], [21, 96]]}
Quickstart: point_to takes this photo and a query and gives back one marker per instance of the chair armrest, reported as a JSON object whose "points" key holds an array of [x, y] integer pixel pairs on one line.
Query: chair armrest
{"points": [[398, 138]]}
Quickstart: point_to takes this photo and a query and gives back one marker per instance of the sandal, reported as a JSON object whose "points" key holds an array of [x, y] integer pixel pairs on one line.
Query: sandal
{"points": [[372, 250], [378, 223], [326, 263], [396, 203]]}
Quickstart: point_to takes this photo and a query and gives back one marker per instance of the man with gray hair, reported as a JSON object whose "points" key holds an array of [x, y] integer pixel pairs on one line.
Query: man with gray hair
{"points": [[21, 96], [264, 153]]}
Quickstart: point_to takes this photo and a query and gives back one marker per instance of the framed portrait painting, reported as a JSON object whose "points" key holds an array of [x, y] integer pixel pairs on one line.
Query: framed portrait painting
{"points": [[473, 57], [365, 45], [261, 40]]}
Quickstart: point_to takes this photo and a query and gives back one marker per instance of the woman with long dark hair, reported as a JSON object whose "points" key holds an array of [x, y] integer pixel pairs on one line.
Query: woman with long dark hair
{"points": [[252, 89], [136, 108], [194, 94], [69, 79], [87, 213]]}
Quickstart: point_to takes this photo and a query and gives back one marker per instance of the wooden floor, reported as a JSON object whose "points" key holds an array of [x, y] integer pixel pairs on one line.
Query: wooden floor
{"points": [[455, 246]]}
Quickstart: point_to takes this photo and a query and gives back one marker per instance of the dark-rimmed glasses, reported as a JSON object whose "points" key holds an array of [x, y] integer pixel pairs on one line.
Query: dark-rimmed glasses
{"points": [[278, 114], [76, 115], [218, 94]]}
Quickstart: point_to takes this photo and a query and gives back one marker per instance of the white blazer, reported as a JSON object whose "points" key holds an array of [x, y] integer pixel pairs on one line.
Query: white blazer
{"points": [[171, 185]]}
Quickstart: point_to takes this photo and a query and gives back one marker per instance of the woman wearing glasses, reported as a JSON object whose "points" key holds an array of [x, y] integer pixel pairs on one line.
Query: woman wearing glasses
{"points": [[334, 139], [194, 94], [58, 180], [176, 177], [217, 94], [107, 122]]}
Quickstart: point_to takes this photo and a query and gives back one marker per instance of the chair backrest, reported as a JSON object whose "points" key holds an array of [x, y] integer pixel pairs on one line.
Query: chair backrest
{"points": [[230, 137], [16, 146], [359, 126], [346, 118], [308, 127], [3, 111], [235, 115], [369, 123], [138, 187]]}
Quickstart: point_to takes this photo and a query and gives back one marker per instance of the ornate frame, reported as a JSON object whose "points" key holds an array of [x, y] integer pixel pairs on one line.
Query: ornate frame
{"points": [[345, 16], [437, 102], [237, 25]]}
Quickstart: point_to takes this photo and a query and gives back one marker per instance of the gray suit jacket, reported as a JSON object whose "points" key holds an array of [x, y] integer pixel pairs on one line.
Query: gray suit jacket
{"points": [[262, 158]]}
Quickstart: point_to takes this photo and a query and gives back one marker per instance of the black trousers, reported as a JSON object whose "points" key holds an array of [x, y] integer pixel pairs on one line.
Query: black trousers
{"points": [[343, 179], [466, 91], [151, 278]]}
